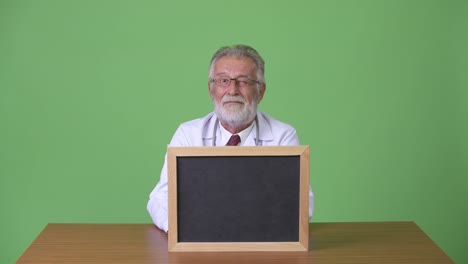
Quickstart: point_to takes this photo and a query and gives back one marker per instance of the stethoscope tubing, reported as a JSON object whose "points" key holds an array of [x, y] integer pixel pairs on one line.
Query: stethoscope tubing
{"points": [[215, 130]]}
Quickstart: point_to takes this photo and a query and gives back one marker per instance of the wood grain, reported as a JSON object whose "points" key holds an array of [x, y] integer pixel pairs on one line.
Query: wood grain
{"points": [[364, 242]]}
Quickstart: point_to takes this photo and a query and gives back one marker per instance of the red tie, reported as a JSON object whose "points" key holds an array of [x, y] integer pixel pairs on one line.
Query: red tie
{"points": [[234, 140]]}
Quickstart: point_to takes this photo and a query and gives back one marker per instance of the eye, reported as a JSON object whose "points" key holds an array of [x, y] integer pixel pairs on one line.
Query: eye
{"points": [[224, 81], [243, 82]]}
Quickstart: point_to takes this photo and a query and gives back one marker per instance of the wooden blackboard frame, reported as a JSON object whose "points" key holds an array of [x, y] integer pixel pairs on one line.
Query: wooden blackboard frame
{"points": [[302, 244]]}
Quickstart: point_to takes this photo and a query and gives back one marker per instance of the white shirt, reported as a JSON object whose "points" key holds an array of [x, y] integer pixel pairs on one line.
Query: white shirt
{"points": [[200, 132], [226, 135]]}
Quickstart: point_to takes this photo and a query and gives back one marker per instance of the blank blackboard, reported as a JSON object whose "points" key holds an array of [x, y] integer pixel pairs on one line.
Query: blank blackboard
{"points": [[238, 199], [229, 198]]}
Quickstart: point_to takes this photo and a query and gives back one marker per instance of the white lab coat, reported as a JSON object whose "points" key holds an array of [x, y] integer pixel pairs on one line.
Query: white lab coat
{"points": [[199, 132]]}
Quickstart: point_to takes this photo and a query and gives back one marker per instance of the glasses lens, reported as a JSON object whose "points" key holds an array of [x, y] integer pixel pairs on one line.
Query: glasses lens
{"points": [[223, 82], [243, 82]]}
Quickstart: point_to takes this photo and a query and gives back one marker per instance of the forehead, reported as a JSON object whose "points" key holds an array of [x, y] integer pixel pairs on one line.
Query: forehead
{"points": [[235, 65]]}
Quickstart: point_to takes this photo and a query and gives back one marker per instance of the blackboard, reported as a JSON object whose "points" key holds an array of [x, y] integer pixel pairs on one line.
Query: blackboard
{"points": [[237, 198]]}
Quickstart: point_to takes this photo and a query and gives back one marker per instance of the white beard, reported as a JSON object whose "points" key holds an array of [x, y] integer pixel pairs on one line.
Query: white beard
{"points": [[235, 115]]}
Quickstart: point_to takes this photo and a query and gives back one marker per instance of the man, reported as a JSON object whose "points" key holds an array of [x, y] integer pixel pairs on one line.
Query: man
{"points": [[236, 86]]}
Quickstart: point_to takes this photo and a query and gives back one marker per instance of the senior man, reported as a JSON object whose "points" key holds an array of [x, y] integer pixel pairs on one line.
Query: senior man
{"points": [[236, 86]]}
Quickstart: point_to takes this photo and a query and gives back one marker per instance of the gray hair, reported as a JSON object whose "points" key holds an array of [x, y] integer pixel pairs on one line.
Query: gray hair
{"points": [[240, 51]]}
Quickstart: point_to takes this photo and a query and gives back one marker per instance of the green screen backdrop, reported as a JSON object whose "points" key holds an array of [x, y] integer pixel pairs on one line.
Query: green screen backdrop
{"points": [[92, 91]]}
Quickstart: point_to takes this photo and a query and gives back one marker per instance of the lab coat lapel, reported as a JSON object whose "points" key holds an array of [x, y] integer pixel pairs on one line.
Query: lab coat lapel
{"points": [[208, 129], [264, 130]]}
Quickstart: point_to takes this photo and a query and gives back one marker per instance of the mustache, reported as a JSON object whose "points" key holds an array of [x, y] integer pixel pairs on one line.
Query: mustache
{"points": [[228, 98]]}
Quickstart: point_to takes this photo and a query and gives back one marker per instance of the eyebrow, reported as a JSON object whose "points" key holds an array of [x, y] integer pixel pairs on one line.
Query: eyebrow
{"points": [[225, 74]]}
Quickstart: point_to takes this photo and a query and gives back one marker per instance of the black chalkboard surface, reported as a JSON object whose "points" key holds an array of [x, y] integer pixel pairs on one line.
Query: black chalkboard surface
{"points": [[229, 198], [238, 199]]}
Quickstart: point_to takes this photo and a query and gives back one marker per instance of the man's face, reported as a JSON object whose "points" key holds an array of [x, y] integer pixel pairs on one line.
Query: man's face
{"points": [[236, 105]]}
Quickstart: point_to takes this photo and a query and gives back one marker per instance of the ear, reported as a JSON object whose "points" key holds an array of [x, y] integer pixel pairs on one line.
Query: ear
{"points": [[261, 92]]}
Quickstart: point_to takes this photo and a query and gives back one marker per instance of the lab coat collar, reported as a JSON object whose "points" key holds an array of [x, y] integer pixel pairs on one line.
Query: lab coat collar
{"points": [[265, 131]]}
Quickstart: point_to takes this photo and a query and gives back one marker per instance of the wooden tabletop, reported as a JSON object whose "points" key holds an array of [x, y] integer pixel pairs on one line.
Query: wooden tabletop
{"points": [[367, 242]]}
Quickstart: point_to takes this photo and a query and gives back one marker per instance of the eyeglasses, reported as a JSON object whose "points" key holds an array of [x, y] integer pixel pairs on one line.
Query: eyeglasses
{"points": [[240, 81]]}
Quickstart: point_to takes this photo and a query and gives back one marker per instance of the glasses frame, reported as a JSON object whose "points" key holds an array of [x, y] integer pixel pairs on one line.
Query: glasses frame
{"points": [[249, 82]]}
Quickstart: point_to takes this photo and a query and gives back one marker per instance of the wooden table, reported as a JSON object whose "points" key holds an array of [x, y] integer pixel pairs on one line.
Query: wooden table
{"points": [[368, 242]]}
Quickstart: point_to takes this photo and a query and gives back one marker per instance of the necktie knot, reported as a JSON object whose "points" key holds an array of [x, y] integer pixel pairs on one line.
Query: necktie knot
{"points": [[234, 140]]}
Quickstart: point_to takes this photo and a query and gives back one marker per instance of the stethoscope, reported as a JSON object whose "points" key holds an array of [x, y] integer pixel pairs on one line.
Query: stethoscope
{"points": [[215, 130]]}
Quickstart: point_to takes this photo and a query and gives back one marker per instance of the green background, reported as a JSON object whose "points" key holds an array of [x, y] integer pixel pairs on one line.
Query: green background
{"points": [[91, 92]]}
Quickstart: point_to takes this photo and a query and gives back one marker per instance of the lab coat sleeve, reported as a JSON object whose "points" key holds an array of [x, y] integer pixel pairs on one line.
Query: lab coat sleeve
{"points": [[157, 205], [290, 138]]}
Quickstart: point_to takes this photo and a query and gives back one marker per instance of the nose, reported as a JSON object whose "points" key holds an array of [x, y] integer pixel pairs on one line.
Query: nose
{"points": [[233, 88]]}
